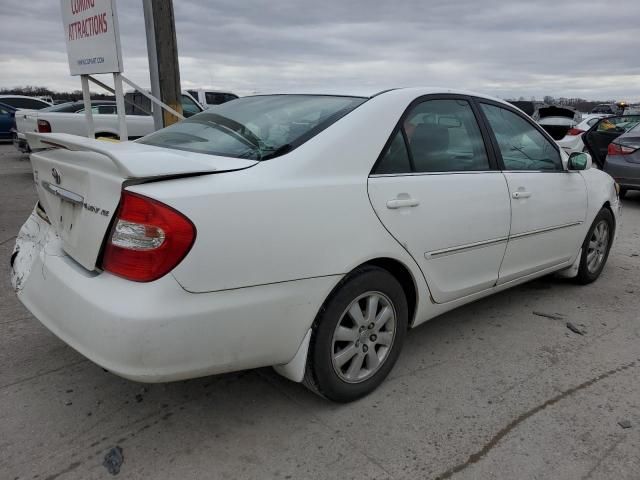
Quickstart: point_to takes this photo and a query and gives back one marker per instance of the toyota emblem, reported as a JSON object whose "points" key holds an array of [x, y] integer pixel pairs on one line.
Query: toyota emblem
{"points": [[56, 176]]}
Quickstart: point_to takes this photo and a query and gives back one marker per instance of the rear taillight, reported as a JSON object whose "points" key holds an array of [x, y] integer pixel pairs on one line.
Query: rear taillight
{"points": [[615, 149], [44, 126], [147, 240], [575, 131]]}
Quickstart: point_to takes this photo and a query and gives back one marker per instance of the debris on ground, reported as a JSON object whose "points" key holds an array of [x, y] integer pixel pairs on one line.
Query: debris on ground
{"points": [[624, 423], [552, 316], [575, 329], [113, 460]]}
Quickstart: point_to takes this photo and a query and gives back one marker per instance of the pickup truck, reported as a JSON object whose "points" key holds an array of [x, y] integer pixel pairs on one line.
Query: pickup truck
{"points": [[105, 119]]}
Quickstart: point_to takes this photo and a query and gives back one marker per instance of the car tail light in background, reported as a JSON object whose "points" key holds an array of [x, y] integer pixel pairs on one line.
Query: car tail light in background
{"points": [[147, 240], [44, 126], [575, 131], [615, 149]]}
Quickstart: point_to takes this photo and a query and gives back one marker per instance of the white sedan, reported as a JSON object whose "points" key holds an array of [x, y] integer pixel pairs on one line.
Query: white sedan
{"points": [[304, 232], [572, 141]]}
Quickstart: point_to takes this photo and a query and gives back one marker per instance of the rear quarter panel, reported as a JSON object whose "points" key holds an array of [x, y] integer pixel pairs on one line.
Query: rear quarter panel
{"points": [[305, 214]]}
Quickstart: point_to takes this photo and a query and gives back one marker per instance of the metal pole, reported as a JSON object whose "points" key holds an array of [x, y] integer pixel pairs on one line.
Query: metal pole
{"points": [[122, 118], [167, 58], [86, 97], [153, 60]]}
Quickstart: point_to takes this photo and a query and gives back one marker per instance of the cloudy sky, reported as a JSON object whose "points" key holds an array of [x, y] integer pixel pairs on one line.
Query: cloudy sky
{"points": [[506, 48]]}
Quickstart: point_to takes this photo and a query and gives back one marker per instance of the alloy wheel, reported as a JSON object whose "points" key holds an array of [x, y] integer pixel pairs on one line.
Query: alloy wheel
{"points": [[598, 245], [363, 337]]}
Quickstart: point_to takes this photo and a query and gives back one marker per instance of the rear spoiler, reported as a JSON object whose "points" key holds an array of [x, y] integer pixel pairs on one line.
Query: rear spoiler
{"points": [[137, 160], [75, 143]]}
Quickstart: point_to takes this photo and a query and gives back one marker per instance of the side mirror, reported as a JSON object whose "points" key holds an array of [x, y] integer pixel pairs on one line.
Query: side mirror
{"points": [[579, 161]]}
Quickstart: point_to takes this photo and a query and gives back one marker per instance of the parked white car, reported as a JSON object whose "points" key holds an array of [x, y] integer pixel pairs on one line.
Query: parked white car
{"points": [[28, 120], [23, 102], [306, 232], [572, 141], [105, 120]]}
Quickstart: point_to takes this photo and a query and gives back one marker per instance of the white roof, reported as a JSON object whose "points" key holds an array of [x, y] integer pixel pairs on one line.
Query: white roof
{"points": [[371, 91]]}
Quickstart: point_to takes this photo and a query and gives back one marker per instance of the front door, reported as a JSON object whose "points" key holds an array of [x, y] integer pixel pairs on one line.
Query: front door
{"points": [[548, 203], [437, 192], [600, 135]]}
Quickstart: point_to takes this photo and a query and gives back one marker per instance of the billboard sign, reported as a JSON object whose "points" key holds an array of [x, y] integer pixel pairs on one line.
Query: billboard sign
{"points": [[92, 36]]}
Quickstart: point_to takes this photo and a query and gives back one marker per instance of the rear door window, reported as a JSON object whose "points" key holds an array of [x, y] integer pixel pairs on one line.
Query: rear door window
{"points": [[107, 109], [396, 157], [618, 124], [521, 145], [213, 98], [443, 136]]}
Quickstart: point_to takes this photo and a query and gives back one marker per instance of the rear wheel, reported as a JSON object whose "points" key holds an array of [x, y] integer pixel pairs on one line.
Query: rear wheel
{"points": [[596, 246], [358, 336]]}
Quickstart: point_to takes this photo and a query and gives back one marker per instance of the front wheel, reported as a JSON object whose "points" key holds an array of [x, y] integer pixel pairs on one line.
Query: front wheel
{"points": [[358, 336], [596, 246]]}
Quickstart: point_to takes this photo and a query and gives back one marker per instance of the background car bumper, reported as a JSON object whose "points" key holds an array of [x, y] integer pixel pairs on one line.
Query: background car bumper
{"points": [[157, 331], [20, 142], [571, 144], [626, 174]]}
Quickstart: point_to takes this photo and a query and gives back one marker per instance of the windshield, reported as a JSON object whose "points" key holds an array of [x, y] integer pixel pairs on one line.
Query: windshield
{"points": [[257, 128]]}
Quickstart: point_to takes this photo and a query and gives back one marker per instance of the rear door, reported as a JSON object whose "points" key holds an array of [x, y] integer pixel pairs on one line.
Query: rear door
{"points": [[548, 203], [437, 191], [600, 135]]}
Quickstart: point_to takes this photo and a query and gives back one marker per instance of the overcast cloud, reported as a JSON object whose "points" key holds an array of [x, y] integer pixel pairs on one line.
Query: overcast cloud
{"points": [[505, 48]]}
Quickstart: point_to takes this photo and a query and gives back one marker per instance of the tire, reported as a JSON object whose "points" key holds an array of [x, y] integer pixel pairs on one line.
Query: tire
{"points": [[623, 192], [357, 342], [594, 246]]}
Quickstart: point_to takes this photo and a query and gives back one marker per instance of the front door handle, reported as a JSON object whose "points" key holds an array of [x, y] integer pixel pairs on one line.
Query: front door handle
{"points": [[521, 194], [402, 202]]}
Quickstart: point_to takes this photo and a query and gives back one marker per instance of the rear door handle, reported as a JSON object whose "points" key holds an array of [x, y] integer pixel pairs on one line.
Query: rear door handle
{"points": [[402, 202], [521, 194]]}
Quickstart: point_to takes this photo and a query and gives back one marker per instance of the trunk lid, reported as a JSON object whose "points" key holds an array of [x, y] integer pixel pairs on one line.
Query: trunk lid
{"points": [[555, 111], [79, 182], [557, 121]]}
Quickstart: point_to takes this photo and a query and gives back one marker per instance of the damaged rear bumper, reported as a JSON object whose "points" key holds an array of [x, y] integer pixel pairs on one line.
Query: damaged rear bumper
{"points": [[157, 331]]}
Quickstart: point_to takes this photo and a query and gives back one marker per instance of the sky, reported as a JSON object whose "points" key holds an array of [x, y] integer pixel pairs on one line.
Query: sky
{"points": [[508, 49]]}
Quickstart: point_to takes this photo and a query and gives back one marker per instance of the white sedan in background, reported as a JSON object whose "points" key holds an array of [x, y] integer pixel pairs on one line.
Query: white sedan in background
{"points": [[304, 232], [572, 141]]}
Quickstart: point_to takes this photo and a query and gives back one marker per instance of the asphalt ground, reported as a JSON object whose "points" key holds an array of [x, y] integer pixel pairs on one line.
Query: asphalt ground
{"points": [[489, 391]]}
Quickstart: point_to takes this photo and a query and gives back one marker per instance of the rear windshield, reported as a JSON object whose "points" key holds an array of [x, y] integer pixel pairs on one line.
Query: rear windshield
{"points": [[257, 128], [63, 107]]}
